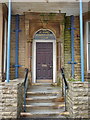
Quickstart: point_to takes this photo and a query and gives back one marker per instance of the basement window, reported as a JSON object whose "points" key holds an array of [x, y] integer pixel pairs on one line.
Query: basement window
{"points": [[88, 46]]}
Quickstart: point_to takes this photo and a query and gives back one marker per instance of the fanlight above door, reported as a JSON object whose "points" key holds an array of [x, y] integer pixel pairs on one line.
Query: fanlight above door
{"points": [[44, 34]]}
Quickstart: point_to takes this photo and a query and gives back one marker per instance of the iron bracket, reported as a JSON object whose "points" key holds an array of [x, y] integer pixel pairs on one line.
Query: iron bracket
{"points": [[72, 62]]}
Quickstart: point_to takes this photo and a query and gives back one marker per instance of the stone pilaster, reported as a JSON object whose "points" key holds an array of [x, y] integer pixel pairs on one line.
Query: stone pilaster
{"points": [[62, 27], [28, 47], [58, 55]]}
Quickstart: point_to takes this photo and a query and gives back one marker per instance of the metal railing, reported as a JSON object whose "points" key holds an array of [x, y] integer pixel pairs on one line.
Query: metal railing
{"points": [[25, 88], [65, 83]]}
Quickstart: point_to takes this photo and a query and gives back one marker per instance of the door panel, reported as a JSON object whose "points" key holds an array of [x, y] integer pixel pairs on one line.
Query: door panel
{"points": [[44, 60]]}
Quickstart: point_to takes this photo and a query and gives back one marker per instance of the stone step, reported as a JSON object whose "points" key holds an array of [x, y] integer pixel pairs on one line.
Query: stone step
{"points": [[44, 89], [44, 101], [44, 84], [42, 114], [44, 106], [41, 99], [41, 93]]}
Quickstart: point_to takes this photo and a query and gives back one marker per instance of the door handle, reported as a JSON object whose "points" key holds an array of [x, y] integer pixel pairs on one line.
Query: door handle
{"points": [[50, 66], [44, 65]]}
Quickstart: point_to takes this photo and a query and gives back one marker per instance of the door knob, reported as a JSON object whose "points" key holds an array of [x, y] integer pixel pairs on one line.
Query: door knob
{"points": [[51, 66]]}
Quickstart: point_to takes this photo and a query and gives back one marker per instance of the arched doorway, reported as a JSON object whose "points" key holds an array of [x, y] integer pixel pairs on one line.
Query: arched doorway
{"points": [[44, 56]]}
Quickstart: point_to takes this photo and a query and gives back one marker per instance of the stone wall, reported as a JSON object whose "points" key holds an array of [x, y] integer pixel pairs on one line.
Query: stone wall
{"points": [[78, 99], [63, 36], [67, 47], [11, 98], [22, 45], [77, 48], [29, 24]]}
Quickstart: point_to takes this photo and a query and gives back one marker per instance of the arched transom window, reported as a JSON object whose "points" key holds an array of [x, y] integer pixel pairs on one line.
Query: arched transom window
{"points": [[44, 34]]}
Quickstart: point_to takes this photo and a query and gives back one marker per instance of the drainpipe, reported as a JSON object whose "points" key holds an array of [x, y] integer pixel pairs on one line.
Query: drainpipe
{"points": [[81, 42], [8, 43], [72, 43], [17, 40], [72, 62]]}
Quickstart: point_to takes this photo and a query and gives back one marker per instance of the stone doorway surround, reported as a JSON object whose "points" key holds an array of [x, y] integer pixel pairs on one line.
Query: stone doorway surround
{"points": [[34, 59], [53, 22]]}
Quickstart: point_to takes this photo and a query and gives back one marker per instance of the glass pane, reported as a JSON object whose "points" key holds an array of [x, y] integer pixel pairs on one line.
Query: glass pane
{"points": [[88, 31], [89, 56], [44, 35]]}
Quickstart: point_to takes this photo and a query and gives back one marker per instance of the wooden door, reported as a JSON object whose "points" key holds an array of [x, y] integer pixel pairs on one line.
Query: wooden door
{"points": [[44, 60]]}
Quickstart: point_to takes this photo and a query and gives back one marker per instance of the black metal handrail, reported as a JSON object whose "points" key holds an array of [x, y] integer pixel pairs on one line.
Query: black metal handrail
{"points": [[25, 87], [63, 76], [65, 83]]}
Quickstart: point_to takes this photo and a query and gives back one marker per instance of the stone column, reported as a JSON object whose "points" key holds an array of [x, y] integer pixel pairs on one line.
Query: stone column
{"points": [[1, 41]]}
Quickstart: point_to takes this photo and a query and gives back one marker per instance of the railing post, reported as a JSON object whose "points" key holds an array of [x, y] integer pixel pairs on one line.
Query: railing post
{"points": [[8, 43], [81, 42]]}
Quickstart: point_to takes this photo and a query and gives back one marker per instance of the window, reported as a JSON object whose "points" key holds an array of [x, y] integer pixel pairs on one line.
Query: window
{"points": [[88, 46], [44, 34]]}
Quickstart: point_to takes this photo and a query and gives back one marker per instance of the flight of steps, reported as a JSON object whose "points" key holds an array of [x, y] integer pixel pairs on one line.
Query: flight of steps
{"points": [[44, 101]]}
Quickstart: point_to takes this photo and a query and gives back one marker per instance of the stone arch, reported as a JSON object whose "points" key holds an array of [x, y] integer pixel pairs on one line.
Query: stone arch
{"points": [[35, 29], [47, 34], [43, 38]]}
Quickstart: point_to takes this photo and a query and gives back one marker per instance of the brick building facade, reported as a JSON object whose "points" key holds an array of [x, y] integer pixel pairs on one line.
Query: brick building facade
{"points": [[37, 31]]}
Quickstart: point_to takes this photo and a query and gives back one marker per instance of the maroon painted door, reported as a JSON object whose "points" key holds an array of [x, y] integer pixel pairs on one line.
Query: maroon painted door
{"points": [[44, 60]]}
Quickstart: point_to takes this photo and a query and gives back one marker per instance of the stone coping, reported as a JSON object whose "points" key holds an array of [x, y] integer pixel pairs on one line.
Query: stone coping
{"points": [[13, 82], [77, 99], [78, 82]]}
